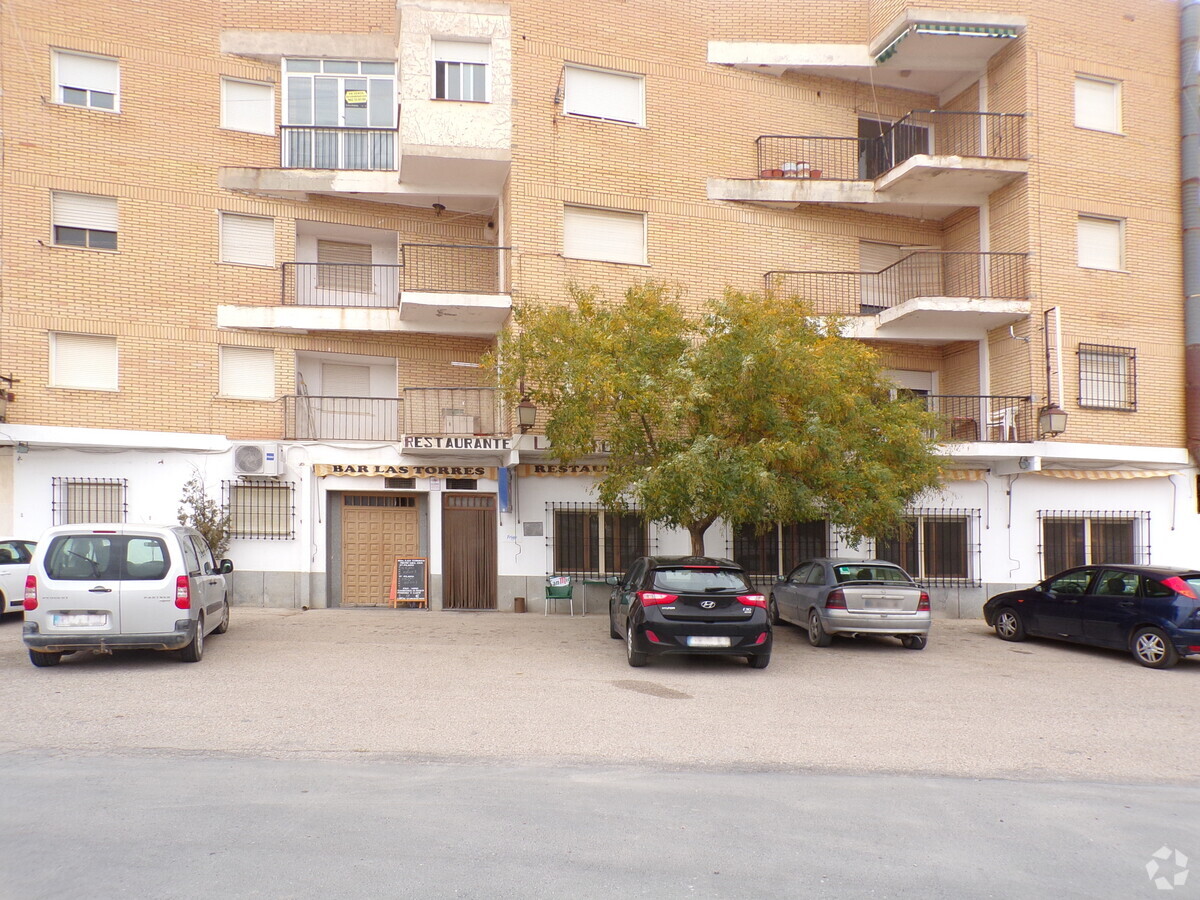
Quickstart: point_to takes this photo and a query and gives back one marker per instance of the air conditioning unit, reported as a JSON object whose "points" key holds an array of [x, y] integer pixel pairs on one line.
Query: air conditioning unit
{"points": [[263, 460], [456, 421]]}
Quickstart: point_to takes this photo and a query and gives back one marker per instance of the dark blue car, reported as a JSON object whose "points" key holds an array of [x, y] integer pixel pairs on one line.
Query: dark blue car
{"points": [[1150, 611]]}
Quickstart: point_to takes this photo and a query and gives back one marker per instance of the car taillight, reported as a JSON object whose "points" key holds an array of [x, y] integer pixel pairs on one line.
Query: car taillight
{"points": [[183, 592], [653, 598], [30, 592], [753, 600], [923, 603], [652, 637], [836, 599], [762, 638], [1181, 587]]}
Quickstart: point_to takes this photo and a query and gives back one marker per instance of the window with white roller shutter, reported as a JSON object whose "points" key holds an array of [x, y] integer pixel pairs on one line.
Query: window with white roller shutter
{"points": [[603, 94], [87, 361], [460, 70], [247, 373], [604, 234], [340, 380], [247, 106], [84, 80], [247, 240], [1101, 243], [84, 220], [1098, 104]]}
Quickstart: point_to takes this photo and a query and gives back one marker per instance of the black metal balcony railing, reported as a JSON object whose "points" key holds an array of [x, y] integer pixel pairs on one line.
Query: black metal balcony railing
{"points": [[983, 418], [451, 411], [314, 147], [923, 131], [341, 418], [926, 273], [433, 268]]}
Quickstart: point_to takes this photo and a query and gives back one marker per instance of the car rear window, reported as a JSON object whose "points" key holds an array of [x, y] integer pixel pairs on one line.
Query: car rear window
{"points": [[870, 573], [685, 580], [107, 557]]}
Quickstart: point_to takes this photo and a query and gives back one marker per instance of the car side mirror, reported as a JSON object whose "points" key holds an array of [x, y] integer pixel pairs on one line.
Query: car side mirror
{"points": [[225, 567], [612, 579]]}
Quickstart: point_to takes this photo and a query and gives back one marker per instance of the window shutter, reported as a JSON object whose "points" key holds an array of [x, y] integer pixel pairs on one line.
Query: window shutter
{"points": [[85, 211], [1097, 104], [247, 372], [345, 381], [604, 234], [461, 51], [247, 106], [248, 240], [343, 254], [1099, 243], [604, 95], [86, 361], [94, 73]]}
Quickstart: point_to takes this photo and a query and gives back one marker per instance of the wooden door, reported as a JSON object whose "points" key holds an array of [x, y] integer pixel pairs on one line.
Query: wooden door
{"points": [[376, 528], [469, 551]]}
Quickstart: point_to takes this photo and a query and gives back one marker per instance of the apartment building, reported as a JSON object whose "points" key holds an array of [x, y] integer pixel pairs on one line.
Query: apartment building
{"points": [[267, 243]]}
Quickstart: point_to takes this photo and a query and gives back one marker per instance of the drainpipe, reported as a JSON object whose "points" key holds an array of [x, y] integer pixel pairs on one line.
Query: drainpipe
{"points": [[1189, 97]]}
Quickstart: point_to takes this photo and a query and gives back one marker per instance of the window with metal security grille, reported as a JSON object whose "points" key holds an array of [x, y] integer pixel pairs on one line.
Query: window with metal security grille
{"points": [[1081, 538], [400, 484], [247, 106], [460, 70], [770, 554], [601, 94], [84, 361], [1107, 377], [936, 546], [262, 510], [587, 541], [84, 220], [462, 484], [393, 502], [609, 235], [84, 80], [78, 500], [1097, 104]]}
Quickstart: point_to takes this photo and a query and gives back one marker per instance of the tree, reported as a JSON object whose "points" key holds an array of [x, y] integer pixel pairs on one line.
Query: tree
{"points": [[754, 412], [200, 511]]}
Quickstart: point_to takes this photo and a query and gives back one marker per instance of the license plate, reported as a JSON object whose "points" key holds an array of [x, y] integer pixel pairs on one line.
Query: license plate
{"points": [[705, 641], [77, 620], [883, 603]]}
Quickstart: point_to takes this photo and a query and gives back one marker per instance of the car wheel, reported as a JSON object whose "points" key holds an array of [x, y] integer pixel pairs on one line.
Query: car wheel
{"points": [[636, 658], [761, 661], [194, 651], [1151, 647], [816, 631], [44, 660], [774, 611], [612, 629], [1009, 626], [914, 641], [224, 626]]}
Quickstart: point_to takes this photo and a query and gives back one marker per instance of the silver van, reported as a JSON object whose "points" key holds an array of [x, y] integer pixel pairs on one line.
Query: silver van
{"points": [[121, 587]]}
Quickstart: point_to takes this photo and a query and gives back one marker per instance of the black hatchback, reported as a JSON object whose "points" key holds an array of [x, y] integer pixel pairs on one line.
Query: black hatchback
{"points": [[1150, 611], [689, 604]]}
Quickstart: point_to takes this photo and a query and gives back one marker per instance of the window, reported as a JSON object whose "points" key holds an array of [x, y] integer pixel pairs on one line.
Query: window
{"points": [[1078, 538], [934, 546], [87, 361], [1097, 104], [608, 235], [339, 114], [247, 240], [82, 80], [260, 509], [247, 106], [600, 94], [247, 373], [1101, 243], [1107, 377], [582, 547], [460, 70], [75, 500], [84, 220], [343, 266], [767, 555]]}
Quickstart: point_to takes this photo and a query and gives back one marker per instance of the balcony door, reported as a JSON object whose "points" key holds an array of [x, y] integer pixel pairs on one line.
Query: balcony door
{"points": [[350, 398], [339, 114]]}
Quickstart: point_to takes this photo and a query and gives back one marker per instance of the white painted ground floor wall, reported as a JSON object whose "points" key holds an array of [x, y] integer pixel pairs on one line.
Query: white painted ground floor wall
{"points": [[1005, 509]]}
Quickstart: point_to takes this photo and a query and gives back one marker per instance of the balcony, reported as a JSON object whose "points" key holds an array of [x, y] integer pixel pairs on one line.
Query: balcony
{"points": [[451, 289], [989, 419], [928, 297], [930, 164], [420, 411]]}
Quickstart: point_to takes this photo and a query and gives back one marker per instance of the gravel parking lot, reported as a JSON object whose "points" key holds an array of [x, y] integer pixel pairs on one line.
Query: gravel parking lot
{"points": [[420, 685]]}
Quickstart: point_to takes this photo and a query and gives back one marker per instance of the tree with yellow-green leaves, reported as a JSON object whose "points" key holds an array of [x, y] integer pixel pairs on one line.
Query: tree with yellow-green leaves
{"points": [[752, 411]]}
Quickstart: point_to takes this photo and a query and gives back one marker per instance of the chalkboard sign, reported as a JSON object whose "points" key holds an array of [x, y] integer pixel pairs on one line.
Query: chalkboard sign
{"points": [[410, 581]]}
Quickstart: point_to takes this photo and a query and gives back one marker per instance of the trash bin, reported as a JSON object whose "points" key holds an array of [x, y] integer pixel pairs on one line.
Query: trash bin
{"points": [[518, 604]]}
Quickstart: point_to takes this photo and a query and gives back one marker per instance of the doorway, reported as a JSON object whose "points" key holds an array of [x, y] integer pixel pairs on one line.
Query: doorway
{"points": [[469, 558]]}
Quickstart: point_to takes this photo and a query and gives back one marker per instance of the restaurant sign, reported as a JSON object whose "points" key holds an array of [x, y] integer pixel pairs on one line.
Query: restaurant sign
{"points": [[559, 469], [394, 471], [451, 442]]}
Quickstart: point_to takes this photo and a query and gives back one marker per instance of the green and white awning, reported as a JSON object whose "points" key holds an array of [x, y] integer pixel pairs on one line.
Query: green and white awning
{"points": [[948, 29]]}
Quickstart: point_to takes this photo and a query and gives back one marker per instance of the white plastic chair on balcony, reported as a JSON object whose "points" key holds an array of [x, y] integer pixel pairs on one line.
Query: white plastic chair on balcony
{"points": [[1004, 420]]}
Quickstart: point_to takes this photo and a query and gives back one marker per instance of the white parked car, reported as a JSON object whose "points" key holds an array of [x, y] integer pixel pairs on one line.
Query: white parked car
{"points": [[121, 587], [15, 554]]}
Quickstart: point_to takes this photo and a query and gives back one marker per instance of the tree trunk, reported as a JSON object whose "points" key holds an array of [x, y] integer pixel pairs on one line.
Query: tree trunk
{"points": [[697, 533]]}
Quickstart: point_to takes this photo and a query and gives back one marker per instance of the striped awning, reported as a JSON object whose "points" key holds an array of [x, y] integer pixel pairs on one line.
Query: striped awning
{"points": [[1106, 474], [944, 28], [964, 474]]}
